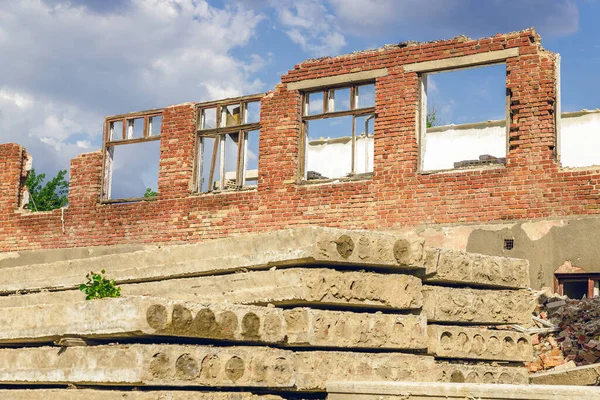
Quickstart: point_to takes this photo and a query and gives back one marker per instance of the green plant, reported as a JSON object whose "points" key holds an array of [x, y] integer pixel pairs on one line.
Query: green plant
{"points": [[47, 195], [150, 193], [98, 287]]}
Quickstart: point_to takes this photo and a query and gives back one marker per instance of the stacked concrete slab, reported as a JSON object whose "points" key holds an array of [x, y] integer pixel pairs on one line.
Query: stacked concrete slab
{"points": [[262, 315]]}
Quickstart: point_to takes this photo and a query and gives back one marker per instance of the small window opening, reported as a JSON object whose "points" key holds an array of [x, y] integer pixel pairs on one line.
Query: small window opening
{"points": [[463, 118], [509, 244], [575, 289], [338, 125]]}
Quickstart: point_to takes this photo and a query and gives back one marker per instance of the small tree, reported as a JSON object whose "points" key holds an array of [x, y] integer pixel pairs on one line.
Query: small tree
{"points": [[431, 117], [150, 193], [49, 195]]}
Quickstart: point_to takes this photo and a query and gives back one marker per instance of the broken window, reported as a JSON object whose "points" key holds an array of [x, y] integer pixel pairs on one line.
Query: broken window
{"points": [[462, 118], [337, 128], [578, 285], [227, 151], [131, 154]]}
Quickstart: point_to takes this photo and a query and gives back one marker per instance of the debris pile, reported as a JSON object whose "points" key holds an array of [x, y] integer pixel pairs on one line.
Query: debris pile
{"points": [[568, 334]]}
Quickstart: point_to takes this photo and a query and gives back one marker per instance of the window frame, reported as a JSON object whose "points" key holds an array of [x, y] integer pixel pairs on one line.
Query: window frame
{"points": [[109, 143], [368, 112], [590, 277], [421, 117], [220, 135]]}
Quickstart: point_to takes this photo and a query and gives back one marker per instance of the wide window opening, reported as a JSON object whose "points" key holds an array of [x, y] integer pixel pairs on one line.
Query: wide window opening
{"points": [[580, 139], [463, 118], [578, 285], [338, 126], [227, 151], [132, 155]]}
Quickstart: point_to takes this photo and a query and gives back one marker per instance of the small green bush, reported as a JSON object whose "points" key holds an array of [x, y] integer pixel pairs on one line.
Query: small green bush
{"points": [[98, 287]]}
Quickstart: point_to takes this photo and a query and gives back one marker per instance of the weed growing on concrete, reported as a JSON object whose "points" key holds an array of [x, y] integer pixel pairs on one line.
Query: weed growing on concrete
{"points": [[98, 287]]}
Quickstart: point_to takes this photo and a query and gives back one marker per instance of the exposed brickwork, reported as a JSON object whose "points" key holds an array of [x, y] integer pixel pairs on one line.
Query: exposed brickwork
{"points": [[532, 185]]}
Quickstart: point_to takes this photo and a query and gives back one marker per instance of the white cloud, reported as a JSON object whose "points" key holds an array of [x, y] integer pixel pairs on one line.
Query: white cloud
{"points": [[66, 66], [309, 25]]}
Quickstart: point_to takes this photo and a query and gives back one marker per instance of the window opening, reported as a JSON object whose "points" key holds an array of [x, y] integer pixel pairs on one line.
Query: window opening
{"points": [[509, 244], [338, 125], [131, 156], [227, 156], [463, 118]]}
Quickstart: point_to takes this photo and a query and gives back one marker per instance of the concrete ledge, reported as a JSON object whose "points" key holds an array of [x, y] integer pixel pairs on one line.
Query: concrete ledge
{"points": [[150, 317], [337, 79], [205, 366], [291, 247], [476, 343], [88, 394], [294, 286], [448, 391], [453, 266], [588, 375], [490, 57], [476, 306]]}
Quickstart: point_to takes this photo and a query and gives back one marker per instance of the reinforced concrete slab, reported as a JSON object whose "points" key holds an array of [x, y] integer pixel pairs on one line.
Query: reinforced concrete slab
{"points": [[89, 394], [587, 375], [454, 266], [478, 343], [293, 286], [476, 306], [464, 372], [458, 391], [140, 316], [205, 366], [300, 246]]}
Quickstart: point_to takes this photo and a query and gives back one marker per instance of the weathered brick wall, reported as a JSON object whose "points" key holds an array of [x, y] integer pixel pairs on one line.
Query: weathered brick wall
{"points": [[532, 185]]}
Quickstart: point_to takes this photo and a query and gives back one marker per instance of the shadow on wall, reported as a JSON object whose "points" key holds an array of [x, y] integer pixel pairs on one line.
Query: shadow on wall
{"points": [[576, 241]]}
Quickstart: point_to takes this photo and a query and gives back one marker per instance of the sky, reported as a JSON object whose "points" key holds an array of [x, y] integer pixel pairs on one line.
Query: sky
{"points": [[66, 64]]}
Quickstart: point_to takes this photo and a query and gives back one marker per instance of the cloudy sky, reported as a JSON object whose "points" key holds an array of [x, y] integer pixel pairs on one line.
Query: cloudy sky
{"points": [[66, 64]]}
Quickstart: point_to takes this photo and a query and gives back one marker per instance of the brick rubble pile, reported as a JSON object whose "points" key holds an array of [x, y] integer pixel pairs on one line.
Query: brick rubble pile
{"points": [[576, 342]]}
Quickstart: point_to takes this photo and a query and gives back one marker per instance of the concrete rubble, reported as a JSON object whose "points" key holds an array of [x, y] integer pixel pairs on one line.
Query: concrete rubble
{"points": [[330, 304], [575, 340]]}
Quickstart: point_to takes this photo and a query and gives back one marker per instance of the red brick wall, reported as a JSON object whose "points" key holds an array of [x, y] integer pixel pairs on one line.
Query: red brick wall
{"points": [[532, 185]]}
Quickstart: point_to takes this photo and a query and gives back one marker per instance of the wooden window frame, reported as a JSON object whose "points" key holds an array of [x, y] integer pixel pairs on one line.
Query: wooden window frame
{"points": [[220, 134], [560, 279], [109, 143], [327, 101]]}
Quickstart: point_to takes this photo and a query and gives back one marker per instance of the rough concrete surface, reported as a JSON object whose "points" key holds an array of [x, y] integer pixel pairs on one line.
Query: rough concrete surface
{"points": [[146, 316], [453, 266], [459, 372], [295, 286], [477, 343], [476, 306], [301, 246], [588, 375], [458, 391], [206, 366], [310, 327], [89, 394]]}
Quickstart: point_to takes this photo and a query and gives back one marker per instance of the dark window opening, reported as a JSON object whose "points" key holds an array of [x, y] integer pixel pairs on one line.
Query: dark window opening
{"points": [[509, 244]]}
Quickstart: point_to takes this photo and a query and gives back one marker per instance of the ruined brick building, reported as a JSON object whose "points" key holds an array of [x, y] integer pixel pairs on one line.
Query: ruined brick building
{"points": [[344, 231], [223, 170]]}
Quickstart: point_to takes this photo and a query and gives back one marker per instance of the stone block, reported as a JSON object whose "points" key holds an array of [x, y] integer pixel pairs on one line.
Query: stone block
{"points": [[454, 266], [312, 327], [476, 306], [300, 246], [149, 317], [476, 343], [89, 394]]}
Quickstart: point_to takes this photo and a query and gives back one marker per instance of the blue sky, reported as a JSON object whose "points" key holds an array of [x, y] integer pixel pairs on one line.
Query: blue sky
{"points": [[67, 64]]}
